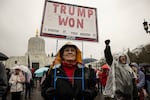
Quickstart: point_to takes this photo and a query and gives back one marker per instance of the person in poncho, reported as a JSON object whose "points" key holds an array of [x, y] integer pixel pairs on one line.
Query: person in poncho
{"points": [[65, 80], [120, 83]]}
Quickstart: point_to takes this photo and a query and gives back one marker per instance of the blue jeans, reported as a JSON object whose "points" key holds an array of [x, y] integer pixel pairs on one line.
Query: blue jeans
{"points": [[148, 86]]}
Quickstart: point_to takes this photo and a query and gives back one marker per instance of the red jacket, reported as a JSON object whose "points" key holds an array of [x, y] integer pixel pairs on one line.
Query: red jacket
{"points": [[103, 78]]}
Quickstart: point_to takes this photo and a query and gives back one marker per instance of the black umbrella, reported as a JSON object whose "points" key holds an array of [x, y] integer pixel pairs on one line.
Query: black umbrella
{"points": [[88, 60], [3, 56]]}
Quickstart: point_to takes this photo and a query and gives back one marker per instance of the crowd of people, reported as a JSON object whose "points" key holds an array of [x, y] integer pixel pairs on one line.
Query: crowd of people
{"points": [[14, 82], [119, 78], [69, 79]]}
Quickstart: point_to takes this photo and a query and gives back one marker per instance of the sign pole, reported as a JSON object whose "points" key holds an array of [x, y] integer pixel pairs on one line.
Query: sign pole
{"points": [[56, 45], [82, 71]]}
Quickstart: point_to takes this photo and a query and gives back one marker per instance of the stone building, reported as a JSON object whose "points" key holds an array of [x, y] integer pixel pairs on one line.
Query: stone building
{"points": [[34, 57]]}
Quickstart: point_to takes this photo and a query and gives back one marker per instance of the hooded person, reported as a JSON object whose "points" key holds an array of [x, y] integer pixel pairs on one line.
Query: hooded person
{"points": [[16, 81], [140, 80], [120, 79], [140, 75], [103, 76], [65, 80]]}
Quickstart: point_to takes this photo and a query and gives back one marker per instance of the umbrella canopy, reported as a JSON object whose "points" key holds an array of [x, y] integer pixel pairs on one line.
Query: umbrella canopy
{"points": [[24, 69], [3, 56], [105, 66], [88, 60], [40, 72]]}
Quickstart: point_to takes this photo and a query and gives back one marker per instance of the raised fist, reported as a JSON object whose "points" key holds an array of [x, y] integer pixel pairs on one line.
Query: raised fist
{"points": [[107, 42]]}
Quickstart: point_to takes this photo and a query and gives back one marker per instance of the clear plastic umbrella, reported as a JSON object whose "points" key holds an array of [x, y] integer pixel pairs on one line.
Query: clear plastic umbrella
{"points": [[24, 69]]}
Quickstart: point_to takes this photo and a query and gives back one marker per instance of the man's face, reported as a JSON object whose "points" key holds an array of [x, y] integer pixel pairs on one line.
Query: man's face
{"points": [[69, 54], [123, 59]]}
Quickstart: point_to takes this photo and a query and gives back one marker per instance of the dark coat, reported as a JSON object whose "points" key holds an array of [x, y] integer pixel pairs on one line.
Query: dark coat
{"points": [[3, 80], [67, 91]]}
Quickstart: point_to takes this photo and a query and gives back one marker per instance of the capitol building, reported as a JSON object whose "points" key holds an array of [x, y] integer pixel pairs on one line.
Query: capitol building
{"points": [[35, 57]]}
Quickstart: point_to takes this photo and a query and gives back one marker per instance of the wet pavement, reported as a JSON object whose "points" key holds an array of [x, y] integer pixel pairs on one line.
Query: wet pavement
{"points": [[36, 95]]}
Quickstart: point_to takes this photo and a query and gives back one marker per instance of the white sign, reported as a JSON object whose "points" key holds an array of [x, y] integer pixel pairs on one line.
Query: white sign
{"points": [[61, 20]]}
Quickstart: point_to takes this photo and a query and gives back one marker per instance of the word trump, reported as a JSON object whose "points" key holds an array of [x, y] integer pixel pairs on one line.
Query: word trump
{"points": [[72, 16]]}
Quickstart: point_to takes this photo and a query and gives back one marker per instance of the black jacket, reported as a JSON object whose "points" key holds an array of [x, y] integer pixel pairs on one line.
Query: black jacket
{"points": [[67, 91], [3, 80], [108, 55]]}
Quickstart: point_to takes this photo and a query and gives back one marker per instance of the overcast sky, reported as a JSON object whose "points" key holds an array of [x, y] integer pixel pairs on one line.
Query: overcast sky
{"points": [[118, 20]]}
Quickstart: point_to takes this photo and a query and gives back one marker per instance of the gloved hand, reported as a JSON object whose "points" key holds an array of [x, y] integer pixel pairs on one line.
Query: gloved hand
{"points": [[107, 42], [50, 91]]}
